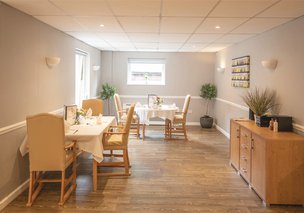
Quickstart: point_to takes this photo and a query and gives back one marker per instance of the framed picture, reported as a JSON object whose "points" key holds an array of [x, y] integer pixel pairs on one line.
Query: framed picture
{"points": [[70, 113], [151, 99]]}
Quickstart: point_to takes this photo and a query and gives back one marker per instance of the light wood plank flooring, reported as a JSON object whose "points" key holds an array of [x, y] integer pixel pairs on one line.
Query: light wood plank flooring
{"points": [[167, 176]]}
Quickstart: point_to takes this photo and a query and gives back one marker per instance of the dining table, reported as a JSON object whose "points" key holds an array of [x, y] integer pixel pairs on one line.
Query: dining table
{"points": [[87, 135], [165, 112]]}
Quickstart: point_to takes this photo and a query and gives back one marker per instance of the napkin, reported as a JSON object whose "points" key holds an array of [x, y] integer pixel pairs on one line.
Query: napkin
{"points": [[138, 104], [99, 119], [89, 113]]}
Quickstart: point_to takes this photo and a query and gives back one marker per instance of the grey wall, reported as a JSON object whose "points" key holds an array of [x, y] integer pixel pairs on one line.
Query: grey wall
{"points": [[28, 86], [285, 44], [185, 73]]}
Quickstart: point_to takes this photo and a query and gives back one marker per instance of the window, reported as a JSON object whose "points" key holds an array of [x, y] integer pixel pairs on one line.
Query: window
{"points": [[146, 72], [82, 77]]}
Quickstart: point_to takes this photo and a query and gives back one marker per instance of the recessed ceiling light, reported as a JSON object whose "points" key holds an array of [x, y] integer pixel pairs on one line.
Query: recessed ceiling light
{"points": [[217, 27], [102, 25]]}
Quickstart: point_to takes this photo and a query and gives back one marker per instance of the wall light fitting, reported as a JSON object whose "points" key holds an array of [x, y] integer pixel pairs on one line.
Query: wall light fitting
{"points": [[96, 67], [270, 64], [52, 61], [220, 69]]}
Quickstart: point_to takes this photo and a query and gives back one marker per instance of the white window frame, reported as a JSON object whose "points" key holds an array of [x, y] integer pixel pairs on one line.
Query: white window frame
{"points": [[146, 72], [82, 77]]}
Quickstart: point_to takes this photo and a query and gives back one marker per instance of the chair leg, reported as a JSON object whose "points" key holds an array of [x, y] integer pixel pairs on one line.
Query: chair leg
{"points": [[128, 160], [94, 175], [61, 202], [185, 131], [126, 163], [30, 194], [137, 129], [143, 131]]}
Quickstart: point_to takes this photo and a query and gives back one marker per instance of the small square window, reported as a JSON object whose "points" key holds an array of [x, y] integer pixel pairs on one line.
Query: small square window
{"points": [[146, 72]]}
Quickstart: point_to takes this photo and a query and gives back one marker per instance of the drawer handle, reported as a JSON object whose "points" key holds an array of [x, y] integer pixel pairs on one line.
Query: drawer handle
{"points": [[244, 146], [244, 170]]}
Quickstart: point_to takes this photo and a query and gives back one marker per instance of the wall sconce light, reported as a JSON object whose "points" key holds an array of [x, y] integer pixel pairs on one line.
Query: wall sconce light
{"points": [[220, 69], [52, 61], [96, 68], [270, 64]]}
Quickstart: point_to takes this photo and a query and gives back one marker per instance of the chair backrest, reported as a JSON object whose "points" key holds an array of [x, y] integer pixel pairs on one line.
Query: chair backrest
{"points": [[186, 105], [95, 104], [118, 106], [128, 124], [46, 142]]}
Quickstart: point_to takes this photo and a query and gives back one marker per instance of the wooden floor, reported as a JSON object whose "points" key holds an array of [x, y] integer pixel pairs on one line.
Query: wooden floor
{"points": [[167, 176]]}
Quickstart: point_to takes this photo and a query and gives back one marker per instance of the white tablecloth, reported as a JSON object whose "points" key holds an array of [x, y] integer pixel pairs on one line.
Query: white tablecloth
{"points": [[88, 137], [165, 112]]}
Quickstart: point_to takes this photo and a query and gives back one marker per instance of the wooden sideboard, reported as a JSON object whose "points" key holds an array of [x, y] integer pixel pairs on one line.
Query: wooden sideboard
{"points": [[271, 162]]}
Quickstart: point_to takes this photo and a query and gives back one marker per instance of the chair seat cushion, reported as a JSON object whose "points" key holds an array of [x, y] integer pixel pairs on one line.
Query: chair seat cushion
{"points": [[178, 117], [114, 140]]}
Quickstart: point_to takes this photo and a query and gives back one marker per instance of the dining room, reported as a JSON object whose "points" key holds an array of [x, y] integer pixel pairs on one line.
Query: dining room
{"points": [[156, 57]]}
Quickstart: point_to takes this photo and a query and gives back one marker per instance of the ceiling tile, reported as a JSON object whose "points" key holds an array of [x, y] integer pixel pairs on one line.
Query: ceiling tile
{"points": [[35, 7], [122, 45], [100, 44], [187, 7], [216, 47], [140, 24], [143, 37], [205, 38], [152, 45], [83, 7], [170, 45], [285, 9], [92, 23], [240, 8], [193, 47], [63, 23], [135, 7], [163, 37], [179, 25], [259, 25], [226, 25], [113, 37], [83, 36], [234, 38]]}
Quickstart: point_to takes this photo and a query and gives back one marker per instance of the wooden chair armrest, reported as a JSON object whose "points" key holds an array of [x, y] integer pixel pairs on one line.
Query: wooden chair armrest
{"points": [[70, 145], [114, 133]]}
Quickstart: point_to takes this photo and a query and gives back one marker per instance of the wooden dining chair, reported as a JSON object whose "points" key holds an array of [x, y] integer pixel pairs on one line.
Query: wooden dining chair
{"points": [[95, 104], [178, 125], [115, 139], [122, 116], [48, 152]]}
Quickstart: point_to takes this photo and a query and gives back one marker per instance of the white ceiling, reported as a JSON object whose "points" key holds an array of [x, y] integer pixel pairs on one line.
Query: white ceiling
{"points": [[162, 25]]}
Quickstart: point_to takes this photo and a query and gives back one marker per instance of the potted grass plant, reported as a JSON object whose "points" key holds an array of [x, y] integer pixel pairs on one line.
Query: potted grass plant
{"points": [[107, 93], [260, 102], [208, 92]]}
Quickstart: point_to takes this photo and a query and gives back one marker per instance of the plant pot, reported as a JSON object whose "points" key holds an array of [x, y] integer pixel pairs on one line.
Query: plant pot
{"points": [[206, 121], [262, 121]]}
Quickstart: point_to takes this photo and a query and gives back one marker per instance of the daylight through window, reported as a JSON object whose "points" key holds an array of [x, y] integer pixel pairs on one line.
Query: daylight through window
{"points": [[146, 71]]}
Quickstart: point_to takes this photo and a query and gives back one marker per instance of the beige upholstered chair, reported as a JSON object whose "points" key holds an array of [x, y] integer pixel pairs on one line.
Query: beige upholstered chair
{"points": [[48, 152], [178, 125], [121, 116], [116, 138], [95, 104]]}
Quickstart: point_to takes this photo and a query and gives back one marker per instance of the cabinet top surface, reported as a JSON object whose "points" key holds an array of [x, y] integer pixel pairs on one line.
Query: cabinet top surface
{"points": [[267, 133]]}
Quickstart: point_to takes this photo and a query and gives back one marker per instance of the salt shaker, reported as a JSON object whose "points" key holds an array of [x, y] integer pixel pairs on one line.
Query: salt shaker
{"points": [[275, 126]]}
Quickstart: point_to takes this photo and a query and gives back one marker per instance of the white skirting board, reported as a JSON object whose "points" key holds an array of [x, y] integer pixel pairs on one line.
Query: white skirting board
{"points": [[5, 201]]}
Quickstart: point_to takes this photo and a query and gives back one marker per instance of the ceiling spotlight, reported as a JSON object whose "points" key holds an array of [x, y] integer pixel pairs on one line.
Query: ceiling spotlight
{"points": [[217, 27], [102, 25]]}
